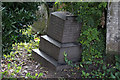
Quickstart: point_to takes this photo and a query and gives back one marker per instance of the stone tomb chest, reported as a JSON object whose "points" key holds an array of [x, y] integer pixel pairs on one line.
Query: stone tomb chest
{"points": [[63, 27], [62, 34]]}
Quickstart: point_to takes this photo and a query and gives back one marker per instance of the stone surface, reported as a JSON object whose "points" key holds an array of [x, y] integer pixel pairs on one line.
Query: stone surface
{"points": [[63, 27], [119, 25], [113, 28], [56, 49], [62, 34], [47, 61], [0, 36], [41, 24], [0, 43]]}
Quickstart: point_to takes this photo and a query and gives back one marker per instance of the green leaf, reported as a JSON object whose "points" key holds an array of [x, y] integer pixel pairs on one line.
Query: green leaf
{"points": [[17, 71], [117, 65], [5, 56], [66, 60], [65, 54], [104, 67], [108, 70], [112, 69], [87, 74], [40, 74], [117, 74], [28, 75], [83, 73], [36, 74], [8, 65], [118, 78], [88, 62], [19, 67], [117, 57], [15, 65], [112, 76], [9, 32], [81, 65]]}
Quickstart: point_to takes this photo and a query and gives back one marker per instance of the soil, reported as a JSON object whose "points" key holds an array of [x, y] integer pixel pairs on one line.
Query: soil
{"points": [[28, 64]]}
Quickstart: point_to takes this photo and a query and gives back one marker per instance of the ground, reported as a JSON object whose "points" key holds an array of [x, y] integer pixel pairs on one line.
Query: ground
{"points": [[20, 64], [29, 65]]}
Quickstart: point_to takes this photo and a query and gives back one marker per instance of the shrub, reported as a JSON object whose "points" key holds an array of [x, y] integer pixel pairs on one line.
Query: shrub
{"points": [[16, 16], [92, 17]]}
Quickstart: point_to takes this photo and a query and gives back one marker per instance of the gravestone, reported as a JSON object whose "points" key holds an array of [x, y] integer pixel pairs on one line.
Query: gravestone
{"points": [[0, 36], [67, 30], [41, 24], [113, 31], [62, 35], [0, 41], [113, 28]]}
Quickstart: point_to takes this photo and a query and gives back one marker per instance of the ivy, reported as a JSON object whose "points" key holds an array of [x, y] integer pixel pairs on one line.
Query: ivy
{"points": [[92, 15], [92, 35]]}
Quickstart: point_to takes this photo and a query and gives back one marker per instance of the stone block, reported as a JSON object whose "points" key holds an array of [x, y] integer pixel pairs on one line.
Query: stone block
{"points": [[63, 27], [113, 28], [62, 34], [0, 44], [56, 50], [47, 61]]}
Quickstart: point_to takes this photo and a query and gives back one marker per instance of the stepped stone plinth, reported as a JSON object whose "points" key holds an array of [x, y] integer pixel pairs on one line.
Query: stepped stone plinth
{"points": [[62, 35], [56, 49]]}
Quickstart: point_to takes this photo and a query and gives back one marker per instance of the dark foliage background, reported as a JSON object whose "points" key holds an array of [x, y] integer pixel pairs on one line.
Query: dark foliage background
{"points": [[16, 16]]}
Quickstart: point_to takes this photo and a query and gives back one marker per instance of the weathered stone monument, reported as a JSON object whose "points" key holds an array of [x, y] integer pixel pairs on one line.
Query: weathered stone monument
{"points": [[41, 24], [62, 34], [0, 44], [113, 31], [113, 28], [0, 31]]}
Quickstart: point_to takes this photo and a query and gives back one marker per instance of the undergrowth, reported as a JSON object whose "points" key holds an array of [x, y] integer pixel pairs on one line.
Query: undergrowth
{"points": [[92, 15], [17, 50]]}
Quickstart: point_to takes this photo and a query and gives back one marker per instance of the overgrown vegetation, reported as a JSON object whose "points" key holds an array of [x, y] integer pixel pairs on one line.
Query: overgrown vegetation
{"points": [[92, 35], [11, 66], [15, 17], [92, 15]]}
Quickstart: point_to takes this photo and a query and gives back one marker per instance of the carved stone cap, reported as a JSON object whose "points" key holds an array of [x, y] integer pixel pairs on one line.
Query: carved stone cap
{"points": [[63, 15]]}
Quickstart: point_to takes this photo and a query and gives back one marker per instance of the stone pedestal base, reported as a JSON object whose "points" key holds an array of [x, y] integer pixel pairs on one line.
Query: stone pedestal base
{"points": [[48, 61], [56, 49], [62, 35], [51, 53]]}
